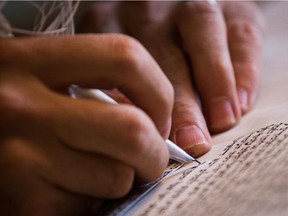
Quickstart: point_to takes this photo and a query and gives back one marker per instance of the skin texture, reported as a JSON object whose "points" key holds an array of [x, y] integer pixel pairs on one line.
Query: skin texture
{"points": [[211, 53], [60, 156], [70, 151]]}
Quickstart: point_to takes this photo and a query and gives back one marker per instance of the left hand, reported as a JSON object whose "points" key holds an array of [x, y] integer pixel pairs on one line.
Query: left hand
{"points": [[208, 50]]}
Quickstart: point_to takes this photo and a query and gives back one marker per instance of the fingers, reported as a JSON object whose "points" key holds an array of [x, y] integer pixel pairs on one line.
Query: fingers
{"points": [[203, 32], [245, 33], [79, 146], [78, 169], [189, 130], [87, 174], [103, 61], [25, 192], [122, 132]]}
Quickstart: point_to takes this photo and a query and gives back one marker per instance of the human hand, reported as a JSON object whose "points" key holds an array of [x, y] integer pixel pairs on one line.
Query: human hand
{"points": [[60, 156], [207, 50]]}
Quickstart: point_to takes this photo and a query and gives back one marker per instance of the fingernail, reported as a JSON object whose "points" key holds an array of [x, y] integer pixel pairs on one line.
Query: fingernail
{"points": [[192, 140], [243, 99], [221, 115]]}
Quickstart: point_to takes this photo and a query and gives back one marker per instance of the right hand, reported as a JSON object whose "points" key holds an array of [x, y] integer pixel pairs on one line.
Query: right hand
{"points": [[210, 52], [57, 154]]}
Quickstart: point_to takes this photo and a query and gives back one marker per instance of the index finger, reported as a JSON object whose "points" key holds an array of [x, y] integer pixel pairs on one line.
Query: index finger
{"points": [[102, 61]]}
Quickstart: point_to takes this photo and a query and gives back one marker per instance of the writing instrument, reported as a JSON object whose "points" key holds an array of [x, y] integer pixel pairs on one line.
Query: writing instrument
{"points": [[175, 152]]}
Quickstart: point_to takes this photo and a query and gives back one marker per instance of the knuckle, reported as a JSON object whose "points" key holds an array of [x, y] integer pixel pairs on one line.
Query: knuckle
{"points": [[254, 14], [247, 29], [8, 106], [197, 8], [220, 69], [248, 20], [203, 7], [19, 103], [121, 181], [185, 113], [16, 155], [249, 79], [184, 108], [14, 105], [251, 69], [131, 53]]}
